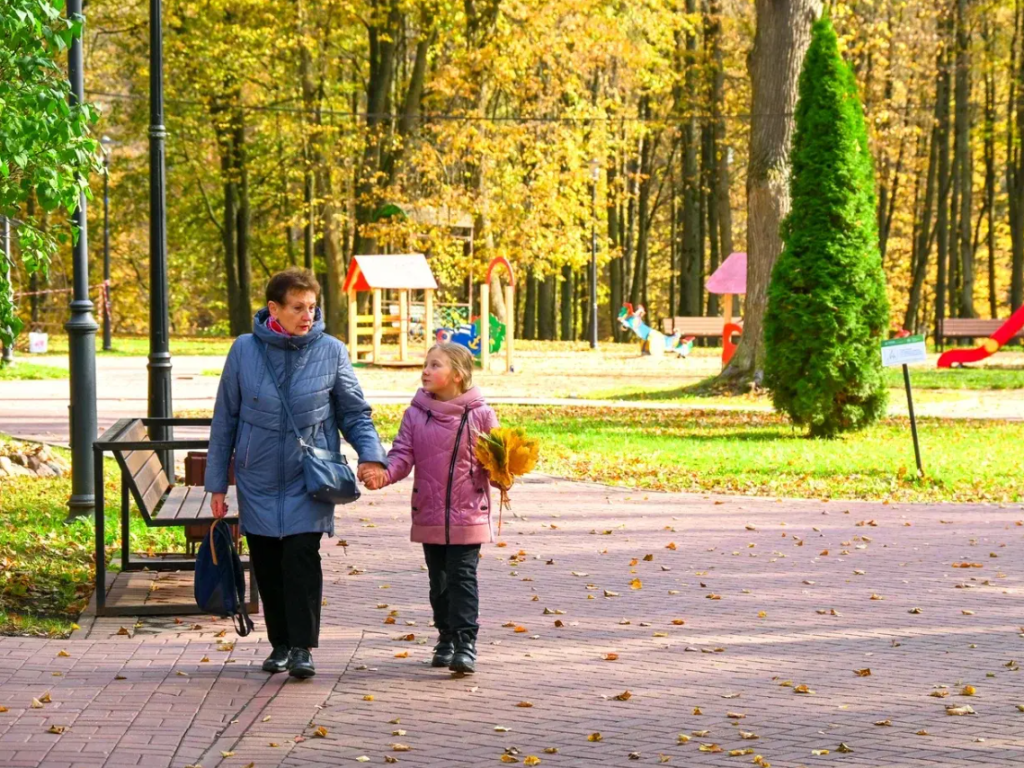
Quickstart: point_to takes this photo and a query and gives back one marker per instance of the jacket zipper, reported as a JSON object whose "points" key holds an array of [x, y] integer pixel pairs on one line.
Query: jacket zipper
{"points": [[285, 392], [451, 477]]}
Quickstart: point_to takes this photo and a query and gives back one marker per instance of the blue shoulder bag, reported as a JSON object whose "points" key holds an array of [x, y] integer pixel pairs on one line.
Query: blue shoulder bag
{"points": [[327, 474]]}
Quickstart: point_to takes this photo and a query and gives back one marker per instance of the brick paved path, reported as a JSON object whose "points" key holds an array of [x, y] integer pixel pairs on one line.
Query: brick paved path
{"points": [[169, 697]]}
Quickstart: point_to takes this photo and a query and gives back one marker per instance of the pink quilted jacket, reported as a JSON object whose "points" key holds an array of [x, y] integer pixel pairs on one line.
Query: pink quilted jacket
{"points": [[451, 492]]}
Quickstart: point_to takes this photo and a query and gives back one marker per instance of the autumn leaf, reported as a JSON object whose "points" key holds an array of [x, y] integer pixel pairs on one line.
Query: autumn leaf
{"points": [[710, 748], [968, 690], [636, 584], [682, 738], [368, 697], [524, 704], [550, 750], [594, 737], [320, 731], [400, 747], [63, 654], [844, 748], [966, 709], [531, 760], [58, 729], [508, 759], [670, 545], [624, 696], [402, 655], [803, 689], [611, 657], [866, 672]]}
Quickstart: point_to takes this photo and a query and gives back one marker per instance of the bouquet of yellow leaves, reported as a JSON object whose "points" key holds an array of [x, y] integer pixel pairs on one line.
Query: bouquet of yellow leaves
{"points": [[506, 453]]}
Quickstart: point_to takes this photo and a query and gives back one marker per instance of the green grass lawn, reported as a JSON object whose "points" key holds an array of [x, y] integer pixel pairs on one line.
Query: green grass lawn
{"points": [[760, 454], [22, 371], [46, 563], [138, 346], [929, 379]]}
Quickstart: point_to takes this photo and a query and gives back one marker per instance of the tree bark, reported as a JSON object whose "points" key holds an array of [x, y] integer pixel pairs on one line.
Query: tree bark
{"points": [[530, 308], [565, 310], [690, 289], [990, 165], [780, 42], [945, 179], [546, 309], [922, 245], [965, 161], [1015, 163]]}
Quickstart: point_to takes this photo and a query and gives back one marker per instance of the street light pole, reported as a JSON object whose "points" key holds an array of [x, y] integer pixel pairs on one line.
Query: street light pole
{"points": [[82, 326], [595, 171], [159, 317], [106, 142]]}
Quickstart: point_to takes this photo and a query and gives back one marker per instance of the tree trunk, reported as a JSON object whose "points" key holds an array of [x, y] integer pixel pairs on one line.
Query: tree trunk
{"points": [[242, 226], [565, 313], [710, 168], [723, 205], [780, 42], [546, 309], [691, 258], [1015, 164], [990, 164], [615, 268], [965, 163], [530, 308], [922, 245], [942, 218]]}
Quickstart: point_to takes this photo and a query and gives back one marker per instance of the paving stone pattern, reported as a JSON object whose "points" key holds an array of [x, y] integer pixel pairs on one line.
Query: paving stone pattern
{"points": [[174, 694]]}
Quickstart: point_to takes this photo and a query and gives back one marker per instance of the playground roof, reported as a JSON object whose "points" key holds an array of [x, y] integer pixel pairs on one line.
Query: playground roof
{"points": [[731, 276], [401, 271]]}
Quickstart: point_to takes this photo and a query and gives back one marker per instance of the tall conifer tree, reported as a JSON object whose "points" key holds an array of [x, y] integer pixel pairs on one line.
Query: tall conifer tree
{"points": [[827, 305]]}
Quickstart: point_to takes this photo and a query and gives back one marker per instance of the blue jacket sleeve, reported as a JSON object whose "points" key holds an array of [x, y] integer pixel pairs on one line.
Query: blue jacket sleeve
{"points": [[225, 424], [353, 414]]}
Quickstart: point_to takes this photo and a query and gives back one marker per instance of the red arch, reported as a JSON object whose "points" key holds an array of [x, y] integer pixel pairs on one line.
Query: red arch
{"points": [[501, 261]]}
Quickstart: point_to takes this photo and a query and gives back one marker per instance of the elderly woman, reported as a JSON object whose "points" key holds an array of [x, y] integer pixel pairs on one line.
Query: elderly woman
{"points": [[283, 525]]}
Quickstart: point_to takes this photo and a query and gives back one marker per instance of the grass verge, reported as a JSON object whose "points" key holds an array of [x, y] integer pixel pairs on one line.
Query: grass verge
{"points": [[758, 453], [138, 346], [31, 372], [46, 563]]}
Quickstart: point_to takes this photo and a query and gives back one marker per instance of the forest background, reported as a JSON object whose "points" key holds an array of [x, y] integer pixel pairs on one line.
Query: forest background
{"points": [[293, 126]]}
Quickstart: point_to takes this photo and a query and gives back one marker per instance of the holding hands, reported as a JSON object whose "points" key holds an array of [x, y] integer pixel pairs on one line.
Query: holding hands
{"points": [[372, 475]]}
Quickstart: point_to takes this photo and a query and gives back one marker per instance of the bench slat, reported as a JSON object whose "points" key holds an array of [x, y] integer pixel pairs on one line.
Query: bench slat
{"points": [[694, 326], [135, 460], [176, 499], [971, 327], [151, 483]]}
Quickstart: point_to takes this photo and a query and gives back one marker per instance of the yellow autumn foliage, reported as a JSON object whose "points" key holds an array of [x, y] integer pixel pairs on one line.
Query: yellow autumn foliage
{"points": [[506, 453]]}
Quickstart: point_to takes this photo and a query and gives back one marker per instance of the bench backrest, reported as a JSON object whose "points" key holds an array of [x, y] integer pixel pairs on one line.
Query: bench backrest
{"points": [[142, 471], [971, 327], [694, 326]]}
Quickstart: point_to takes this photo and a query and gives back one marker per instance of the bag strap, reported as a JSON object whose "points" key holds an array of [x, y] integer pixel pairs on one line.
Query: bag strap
{"points": [[284, 402]]}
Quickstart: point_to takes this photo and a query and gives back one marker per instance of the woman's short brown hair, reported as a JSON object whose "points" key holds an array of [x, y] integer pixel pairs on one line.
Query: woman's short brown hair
{"points": [[461, 360], [291, 279]]}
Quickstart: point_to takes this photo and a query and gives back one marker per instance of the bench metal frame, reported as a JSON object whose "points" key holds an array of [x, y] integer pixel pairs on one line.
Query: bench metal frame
{"points": [[113, 441]]}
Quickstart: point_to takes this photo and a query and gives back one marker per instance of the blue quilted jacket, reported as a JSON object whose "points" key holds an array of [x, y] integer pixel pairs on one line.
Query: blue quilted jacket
{"points": [[315, 373]]}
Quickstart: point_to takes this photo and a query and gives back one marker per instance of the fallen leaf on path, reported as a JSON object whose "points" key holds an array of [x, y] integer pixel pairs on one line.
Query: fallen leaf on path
{"points": [[524, 704], [709, 748], [63, 654], [966, 709], [968, 690], [502, 729], [803, 689], [624, 696], [636, 584], [819, 752], [866, 672], [400, 747], [550, 750], [58, 729], [883, 722], [531, 760], [844, 748], [402, 655], [594, 737], [320, 731], [611, 656], [740, 752], [748, 735]]}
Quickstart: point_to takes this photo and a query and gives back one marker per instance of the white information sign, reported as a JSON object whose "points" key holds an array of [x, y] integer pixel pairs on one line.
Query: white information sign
{"points": [[905, 351]]}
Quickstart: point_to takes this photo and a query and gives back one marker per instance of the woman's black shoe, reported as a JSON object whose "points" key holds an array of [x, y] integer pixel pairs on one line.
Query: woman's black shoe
{"points": [[464, 659], [277, 661], [444, 651], [300, 663]]}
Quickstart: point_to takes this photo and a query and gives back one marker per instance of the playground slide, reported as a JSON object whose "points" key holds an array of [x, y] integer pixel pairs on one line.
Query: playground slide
{"points": [[989, 347]]}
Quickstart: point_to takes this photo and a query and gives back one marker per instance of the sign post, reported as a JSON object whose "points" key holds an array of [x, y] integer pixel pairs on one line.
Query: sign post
{"points": [[903, 351]]}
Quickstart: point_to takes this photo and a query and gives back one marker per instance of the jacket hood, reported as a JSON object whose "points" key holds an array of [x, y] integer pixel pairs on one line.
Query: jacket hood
{"points": [[266, 335], [467, 401]]}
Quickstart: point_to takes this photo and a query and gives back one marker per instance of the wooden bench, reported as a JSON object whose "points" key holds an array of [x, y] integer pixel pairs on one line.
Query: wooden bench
{"points": [[971, 328], [701, 327], [160, 502]]}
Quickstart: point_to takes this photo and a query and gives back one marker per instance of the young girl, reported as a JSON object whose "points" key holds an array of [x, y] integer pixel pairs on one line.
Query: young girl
{"points": [[451, 500]]}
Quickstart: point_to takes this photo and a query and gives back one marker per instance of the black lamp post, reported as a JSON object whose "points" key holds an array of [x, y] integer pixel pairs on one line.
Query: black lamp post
{"points": [[595, 174], [81, 327], [107, 143], [159, 304]]}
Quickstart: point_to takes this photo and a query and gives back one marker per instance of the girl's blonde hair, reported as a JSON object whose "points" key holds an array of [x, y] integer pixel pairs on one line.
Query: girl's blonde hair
{"points": [[461, 360]]}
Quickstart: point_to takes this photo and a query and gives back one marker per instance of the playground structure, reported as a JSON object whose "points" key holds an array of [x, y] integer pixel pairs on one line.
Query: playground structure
{"points": [[1012, 328], [402, 273], [653, 342], [485, 339], [730, 279]]}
